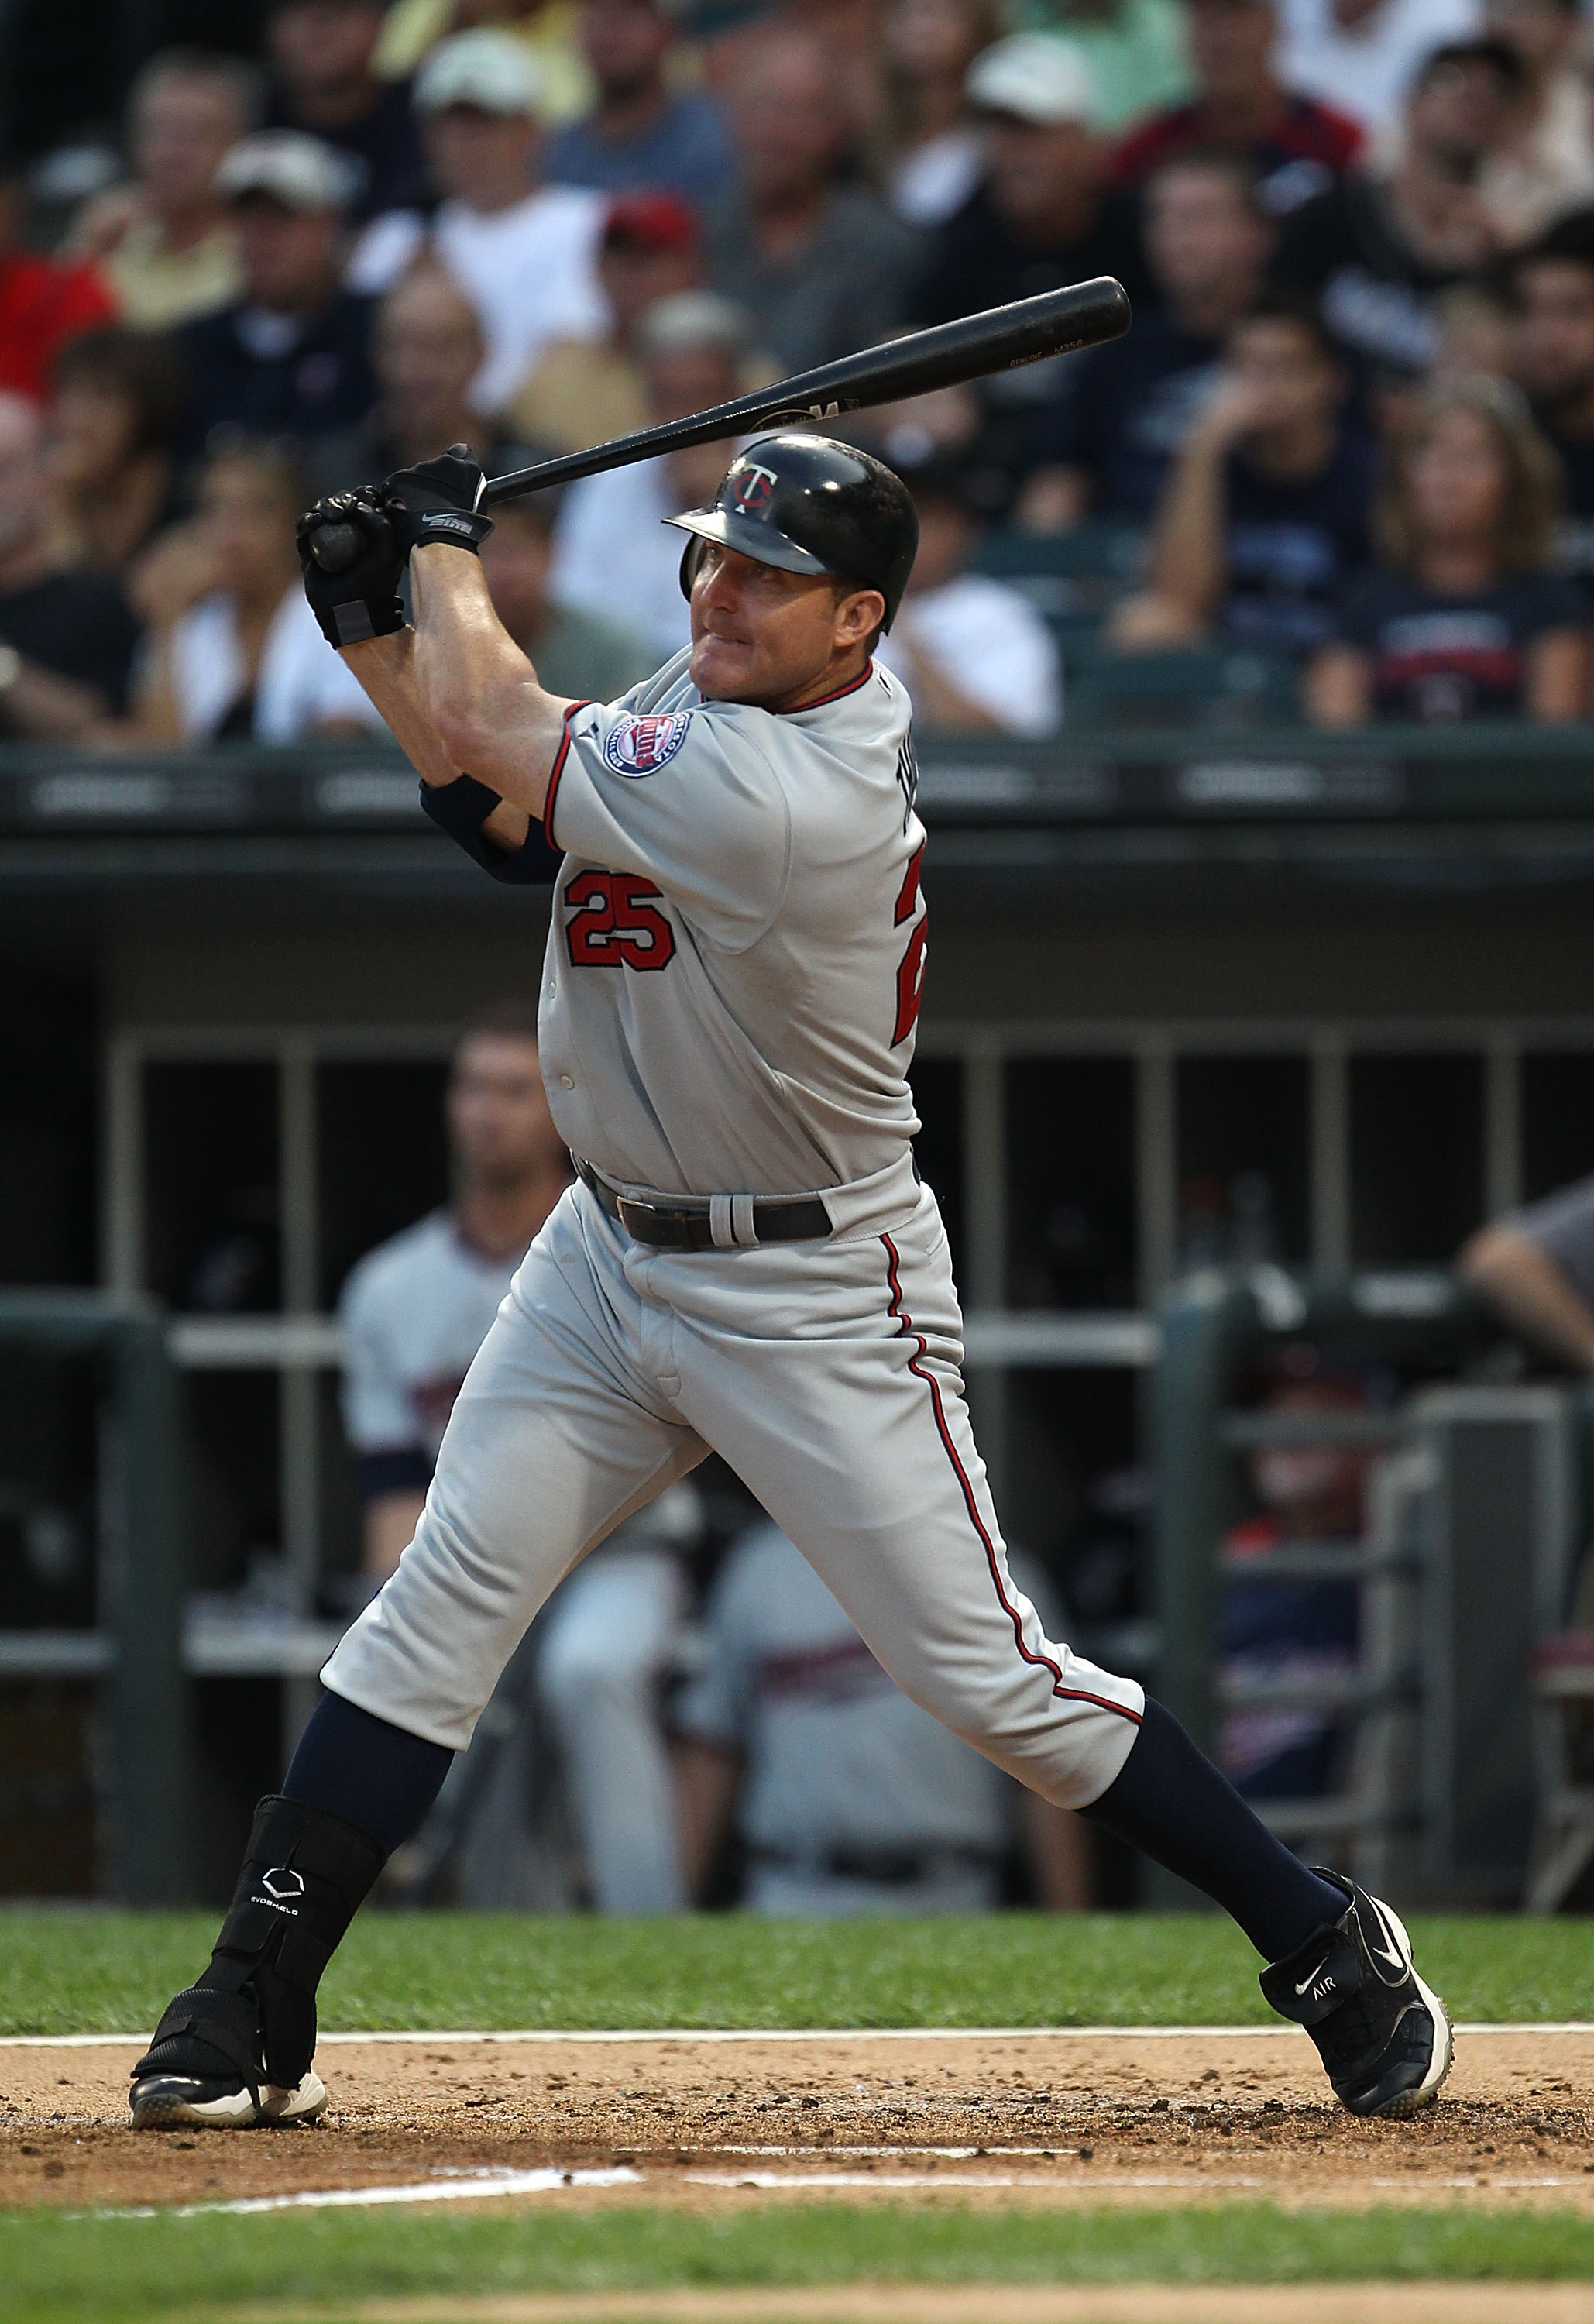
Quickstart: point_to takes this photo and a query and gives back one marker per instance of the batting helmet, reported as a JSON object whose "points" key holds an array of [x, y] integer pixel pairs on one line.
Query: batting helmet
{"points": [[812, 505]]}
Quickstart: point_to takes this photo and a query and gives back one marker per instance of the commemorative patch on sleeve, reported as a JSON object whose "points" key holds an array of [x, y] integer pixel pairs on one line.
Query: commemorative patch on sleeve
{"points": [[637, 746]]}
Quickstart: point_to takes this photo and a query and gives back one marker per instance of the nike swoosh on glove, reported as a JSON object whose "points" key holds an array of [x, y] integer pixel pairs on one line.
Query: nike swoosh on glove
{"points": [[362, 601], [437, 502]]}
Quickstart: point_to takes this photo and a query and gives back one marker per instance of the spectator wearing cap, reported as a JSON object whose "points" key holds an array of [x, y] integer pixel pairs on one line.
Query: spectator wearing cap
{"points": [[164, 241], [576, 652], [613, 555], [67, 638], [231, 649], [115, 419], [974, 653], [291, 357], [44, 301], [321, 55], [1135, 50], [821, 267], [522, 251], [1377, 251], [932, 149], [1041, 215], [1297, 146], [426, 349], [640, 136], [1122, 411], [549, 30], [584, 391], [1361, 57]]}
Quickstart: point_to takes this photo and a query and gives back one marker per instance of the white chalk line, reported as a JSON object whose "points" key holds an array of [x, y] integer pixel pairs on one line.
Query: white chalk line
{"points": [[492, 2186], [475, 2187], [753, 2033]]}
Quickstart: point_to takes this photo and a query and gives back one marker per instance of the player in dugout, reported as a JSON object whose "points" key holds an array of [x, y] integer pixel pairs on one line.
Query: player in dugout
{"points": [[750, 1263]]}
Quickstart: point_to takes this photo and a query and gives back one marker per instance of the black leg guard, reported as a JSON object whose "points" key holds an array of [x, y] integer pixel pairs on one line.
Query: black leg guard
{"points": [[253, 2012]]}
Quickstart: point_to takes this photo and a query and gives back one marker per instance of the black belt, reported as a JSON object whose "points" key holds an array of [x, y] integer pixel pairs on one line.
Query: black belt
{"points": [[687, 1225]]}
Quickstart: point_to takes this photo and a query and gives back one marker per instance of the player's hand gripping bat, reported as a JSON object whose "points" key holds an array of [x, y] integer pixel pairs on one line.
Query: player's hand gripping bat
{"points": [[1023, 332]]}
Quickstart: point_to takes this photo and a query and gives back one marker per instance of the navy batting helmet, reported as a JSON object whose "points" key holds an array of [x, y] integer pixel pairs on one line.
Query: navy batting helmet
{"points": [[812, 505]]}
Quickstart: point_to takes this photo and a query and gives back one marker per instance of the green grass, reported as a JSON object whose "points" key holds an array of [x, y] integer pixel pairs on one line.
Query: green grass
{"points": [[89, 1971], [55, 2267]]}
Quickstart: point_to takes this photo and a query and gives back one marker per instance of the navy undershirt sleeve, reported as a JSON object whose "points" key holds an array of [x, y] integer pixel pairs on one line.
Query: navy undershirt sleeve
{"points": [[399, 1469], [461, 808]]}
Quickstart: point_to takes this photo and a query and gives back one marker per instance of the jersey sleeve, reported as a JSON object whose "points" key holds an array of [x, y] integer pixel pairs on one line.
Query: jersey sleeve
{"points": [[690, 798], [1562, 1227]]}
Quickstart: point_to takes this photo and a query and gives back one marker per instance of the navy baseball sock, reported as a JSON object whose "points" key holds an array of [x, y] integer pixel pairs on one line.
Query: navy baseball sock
{"points": [[1170, 1801], [375, 1776]]}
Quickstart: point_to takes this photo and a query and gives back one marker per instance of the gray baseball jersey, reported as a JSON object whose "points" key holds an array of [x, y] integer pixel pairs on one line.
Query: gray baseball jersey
{"points": [[414, 1312], [734, 969], [1563, 1226]]}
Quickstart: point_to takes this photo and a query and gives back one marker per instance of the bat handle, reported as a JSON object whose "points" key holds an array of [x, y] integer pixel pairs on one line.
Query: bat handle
{"points": [[336, 546]]}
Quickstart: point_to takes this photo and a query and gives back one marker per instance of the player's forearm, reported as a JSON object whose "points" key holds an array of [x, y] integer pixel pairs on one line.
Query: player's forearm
{"points": [[477, 688], [385, 667], [1528, 1291]]}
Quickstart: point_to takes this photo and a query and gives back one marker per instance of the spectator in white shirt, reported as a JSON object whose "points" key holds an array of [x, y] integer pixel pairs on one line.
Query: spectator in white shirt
{"points": [[613, 553], [231, 649], [1545, 166], [974, 653], [1361, 56], [523, 253]]}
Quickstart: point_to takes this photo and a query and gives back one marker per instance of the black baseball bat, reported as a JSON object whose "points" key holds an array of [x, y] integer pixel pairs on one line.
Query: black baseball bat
{"points": [[999, 338]]}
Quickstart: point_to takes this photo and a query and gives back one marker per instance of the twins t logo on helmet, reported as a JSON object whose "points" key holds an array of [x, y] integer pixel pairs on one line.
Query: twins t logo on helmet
{"points": [[752, 488], [640, 746]]}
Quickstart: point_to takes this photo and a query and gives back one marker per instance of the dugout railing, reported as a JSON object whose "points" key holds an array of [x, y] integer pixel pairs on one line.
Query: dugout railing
{"points": [[1475, 1514], [134, 1651]]}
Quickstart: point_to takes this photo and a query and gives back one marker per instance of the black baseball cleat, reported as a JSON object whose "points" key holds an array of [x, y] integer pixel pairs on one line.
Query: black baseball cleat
{"points": [[205, 2068], [1383, 2037], [221, 2102]]}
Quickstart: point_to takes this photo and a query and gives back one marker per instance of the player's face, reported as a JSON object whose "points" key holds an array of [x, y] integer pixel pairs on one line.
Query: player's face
{"points": [[500, 1129], [778, 639]]}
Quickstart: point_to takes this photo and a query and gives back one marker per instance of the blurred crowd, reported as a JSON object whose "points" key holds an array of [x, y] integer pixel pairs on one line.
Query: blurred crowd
{"points": [[1351, 432]]}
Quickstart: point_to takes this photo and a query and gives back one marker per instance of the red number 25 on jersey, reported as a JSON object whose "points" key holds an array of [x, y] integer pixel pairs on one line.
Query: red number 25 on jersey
{"points": [[614, 923]]}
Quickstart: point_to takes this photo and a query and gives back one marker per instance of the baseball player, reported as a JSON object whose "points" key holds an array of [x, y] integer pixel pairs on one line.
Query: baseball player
{"points": [[748, 1262]]}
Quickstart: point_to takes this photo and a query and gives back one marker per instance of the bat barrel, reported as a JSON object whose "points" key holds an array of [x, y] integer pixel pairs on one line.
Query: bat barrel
{"points": [[948, 354]]}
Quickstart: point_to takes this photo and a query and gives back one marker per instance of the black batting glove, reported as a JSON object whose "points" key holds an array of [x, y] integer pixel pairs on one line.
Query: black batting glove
{"points": [[437, 502], [362, 601]]}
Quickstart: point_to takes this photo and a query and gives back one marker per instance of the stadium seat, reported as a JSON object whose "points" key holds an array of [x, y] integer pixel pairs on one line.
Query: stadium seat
{"points": [[1220, 687], [1074, 579]]}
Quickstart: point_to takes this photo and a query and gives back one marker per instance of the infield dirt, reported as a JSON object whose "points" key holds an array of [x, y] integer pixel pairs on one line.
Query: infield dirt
{"points": [[1048, 2117]]}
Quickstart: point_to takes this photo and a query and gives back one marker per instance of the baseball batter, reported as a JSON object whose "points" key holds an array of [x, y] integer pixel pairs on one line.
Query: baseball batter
{"points": [[748, 1262]]}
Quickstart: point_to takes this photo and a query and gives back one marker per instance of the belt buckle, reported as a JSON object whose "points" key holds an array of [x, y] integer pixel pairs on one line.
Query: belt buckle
{"points": [[661, 1230]]}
